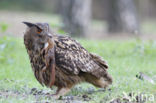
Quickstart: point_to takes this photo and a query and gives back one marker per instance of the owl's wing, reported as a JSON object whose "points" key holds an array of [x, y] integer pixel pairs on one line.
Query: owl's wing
{"points": [[72, 58], [51, 66]]}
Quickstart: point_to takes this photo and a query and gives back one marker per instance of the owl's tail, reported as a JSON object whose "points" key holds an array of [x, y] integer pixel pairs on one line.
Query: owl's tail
{"points": [[99, 61], [104, 77]]}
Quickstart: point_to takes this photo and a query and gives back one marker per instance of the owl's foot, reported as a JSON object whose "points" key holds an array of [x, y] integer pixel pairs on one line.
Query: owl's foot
{"points": [[60, 92]]}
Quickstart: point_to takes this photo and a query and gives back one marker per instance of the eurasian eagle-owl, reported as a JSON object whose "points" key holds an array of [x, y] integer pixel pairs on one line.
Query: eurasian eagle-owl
{"points": [[61, 61]]}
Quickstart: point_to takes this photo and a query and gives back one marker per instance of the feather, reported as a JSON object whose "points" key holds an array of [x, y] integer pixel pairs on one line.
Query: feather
{"points": [[46, 45], [73, 58], [99, 61]]}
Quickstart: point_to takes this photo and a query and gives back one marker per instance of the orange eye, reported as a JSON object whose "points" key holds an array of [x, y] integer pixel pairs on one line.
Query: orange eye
{"points": [[39, 31]]}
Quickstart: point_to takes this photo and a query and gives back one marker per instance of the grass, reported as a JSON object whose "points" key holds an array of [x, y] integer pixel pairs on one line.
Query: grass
{"points": [[125, 58]]}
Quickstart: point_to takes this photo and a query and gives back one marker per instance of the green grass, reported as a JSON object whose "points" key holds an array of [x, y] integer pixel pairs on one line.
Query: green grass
{"points": [[125, 59]]}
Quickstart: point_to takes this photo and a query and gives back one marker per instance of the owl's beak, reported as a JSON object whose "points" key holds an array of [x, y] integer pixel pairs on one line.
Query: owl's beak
{"points": [[50, 35]]}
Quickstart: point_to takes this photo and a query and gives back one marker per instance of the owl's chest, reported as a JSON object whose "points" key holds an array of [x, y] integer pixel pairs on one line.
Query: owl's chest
{"points": [[37, 61]]}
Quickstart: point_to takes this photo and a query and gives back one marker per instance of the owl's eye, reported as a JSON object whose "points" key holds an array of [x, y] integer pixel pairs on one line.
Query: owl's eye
{"points": [[39, 31]]}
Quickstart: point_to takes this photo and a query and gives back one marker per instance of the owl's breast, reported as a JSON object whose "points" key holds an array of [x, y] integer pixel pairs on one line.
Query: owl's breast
{"points": [[37, 61]]}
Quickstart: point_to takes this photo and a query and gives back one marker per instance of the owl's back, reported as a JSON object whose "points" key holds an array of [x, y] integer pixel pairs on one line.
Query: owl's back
{"points": [[72, 58]]}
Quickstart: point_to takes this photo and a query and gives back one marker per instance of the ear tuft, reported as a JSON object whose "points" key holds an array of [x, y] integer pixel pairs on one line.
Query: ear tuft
{"points": [[39, 30], [29, 24]]}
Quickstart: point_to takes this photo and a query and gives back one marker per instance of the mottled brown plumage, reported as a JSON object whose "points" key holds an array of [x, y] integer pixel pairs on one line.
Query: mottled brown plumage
{"points": [[62, 61]]}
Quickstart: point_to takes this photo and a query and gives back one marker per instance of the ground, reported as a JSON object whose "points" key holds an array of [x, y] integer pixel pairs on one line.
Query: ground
{"points": [[126, 56]]}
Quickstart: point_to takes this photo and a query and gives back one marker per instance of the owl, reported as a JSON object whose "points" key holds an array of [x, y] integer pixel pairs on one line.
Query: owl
{"points": [[61, 61]]}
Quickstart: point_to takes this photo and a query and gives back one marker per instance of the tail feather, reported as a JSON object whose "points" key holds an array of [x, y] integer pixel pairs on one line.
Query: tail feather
{"points": [[99, 61]]}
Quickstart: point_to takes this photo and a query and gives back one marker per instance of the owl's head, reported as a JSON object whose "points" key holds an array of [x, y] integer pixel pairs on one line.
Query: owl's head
{"points": [[38, 32]]}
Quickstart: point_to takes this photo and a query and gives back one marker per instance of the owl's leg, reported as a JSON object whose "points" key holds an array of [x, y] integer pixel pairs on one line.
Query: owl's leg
{"points": [[61, 92]]}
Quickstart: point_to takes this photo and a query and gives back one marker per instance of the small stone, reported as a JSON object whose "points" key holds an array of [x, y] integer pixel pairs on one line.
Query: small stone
{"points": [[85, 96]]}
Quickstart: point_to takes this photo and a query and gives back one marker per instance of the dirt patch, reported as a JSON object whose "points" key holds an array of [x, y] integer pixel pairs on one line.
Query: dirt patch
{"points": [[41, 95]]}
